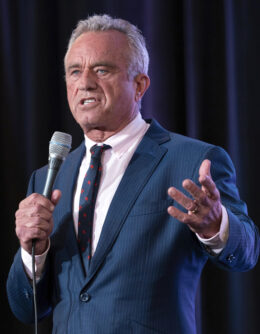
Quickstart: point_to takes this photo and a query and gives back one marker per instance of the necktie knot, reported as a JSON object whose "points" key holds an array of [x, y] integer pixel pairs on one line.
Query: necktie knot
{"points": [[97, 150]]}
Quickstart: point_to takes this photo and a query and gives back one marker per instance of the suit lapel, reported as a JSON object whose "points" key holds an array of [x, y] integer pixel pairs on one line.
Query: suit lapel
{"points": [[144, 161], [69, 172]]}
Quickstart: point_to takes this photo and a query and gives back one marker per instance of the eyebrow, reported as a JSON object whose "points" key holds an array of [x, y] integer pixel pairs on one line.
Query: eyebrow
{"points": [[72, 66], [103, 63]]}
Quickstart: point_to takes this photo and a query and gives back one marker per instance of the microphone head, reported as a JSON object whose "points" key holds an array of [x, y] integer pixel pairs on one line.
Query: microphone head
{"points": [[60, 145]]}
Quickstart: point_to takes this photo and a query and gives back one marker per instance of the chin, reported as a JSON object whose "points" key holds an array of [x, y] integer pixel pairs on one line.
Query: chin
{"points": [[87, 126]]}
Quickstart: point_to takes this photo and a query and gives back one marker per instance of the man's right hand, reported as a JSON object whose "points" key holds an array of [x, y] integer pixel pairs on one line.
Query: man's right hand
{"points": [[34, 221]]}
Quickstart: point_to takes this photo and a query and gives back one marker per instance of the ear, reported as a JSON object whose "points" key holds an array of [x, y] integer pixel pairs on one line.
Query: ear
{"points": [[142, 83]]}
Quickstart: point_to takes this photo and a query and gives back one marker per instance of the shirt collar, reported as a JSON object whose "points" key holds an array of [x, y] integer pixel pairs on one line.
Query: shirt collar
{"points": [[122, 141]]}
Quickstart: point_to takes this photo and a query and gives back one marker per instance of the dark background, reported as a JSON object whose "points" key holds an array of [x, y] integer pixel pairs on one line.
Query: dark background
{"points": [[204, 73]]}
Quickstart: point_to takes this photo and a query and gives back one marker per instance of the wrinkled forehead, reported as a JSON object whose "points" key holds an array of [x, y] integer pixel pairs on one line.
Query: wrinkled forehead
{"points": [[101, 45]]}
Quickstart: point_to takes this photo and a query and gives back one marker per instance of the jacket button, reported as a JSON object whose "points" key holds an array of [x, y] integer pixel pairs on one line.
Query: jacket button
{"points": [[230, 258], [84, 297]]}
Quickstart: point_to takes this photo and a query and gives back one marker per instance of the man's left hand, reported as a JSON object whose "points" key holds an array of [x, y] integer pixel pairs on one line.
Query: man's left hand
{"points": [[204, 208]]}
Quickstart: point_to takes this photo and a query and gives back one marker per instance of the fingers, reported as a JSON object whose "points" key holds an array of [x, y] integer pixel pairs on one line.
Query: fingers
{"points": [[181, 216], [33, 213], [195, 191], [29, 231], [205, 168], [185, 201], [205, 179], [208, 189], [204, 208], [37, 200], [34, 219]]}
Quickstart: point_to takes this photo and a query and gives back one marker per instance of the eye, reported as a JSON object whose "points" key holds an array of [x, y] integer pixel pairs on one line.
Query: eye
{"points": [[101, 71], [74, 72]]}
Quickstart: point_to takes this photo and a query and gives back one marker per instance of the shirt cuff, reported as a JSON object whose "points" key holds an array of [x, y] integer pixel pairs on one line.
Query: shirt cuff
{"points": [[217, 243], [39, 263]]}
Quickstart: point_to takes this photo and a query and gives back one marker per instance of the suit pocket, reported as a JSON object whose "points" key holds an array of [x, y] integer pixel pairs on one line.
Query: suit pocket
{"points": [[138, 328], [150, 207]]}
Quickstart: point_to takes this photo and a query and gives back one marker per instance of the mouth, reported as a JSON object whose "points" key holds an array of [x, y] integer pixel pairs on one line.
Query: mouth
{"points": [[88, 101]]}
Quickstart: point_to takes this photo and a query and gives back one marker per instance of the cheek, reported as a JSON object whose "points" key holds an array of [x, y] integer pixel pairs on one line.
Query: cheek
{"points": [[71, 103], [121, 92], [126, 96], [71, 87], [71, 93]]}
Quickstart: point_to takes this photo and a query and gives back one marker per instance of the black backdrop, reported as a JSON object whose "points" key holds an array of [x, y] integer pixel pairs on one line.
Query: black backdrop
{"points": [[204, 83]]}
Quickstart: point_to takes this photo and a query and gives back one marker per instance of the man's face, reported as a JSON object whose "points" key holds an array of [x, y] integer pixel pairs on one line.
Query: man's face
{"points": [[100, 94]]}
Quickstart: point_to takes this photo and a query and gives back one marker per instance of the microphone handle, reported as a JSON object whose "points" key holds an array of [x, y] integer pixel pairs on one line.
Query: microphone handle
{"points": [[53, 168]]}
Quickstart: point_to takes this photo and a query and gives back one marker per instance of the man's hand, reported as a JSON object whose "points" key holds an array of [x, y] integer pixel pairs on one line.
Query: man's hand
{"points": [[34, 221], [204, 210]]}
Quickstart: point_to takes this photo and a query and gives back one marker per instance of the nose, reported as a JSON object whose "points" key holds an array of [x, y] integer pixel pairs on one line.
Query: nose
{"points": [[87, 81]]}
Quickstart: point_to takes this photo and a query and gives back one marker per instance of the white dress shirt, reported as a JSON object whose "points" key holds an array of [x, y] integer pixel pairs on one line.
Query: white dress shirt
{"points": [[114, 163]]}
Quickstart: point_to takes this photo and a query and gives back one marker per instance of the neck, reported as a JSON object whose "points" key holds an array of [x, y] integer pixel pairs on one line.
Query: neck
{"points": [[99, 135]]}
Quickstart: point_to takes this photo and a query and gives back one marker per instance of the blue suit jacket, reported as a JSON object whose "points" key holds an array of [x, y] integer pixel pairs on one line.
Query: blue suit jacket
{"points": [[144, 274]]}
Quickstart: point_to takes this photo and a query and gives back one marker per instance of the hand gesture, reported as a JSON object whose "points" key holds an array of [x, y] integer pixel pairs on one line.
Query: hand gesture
{"points": [[204, 208]]}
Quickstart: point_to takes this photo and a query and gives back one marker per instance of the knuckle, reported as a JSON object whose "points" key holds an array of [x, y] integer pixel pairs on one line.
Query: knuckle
{"points": [[35, 210], [185, 219], [22, 235], [35, 233], [33, 196], [22, 203], [33, 199], [191, 205], [37, 220], [37, 207], [42, 235], [203, 199], [38, 233], [212, 183], [19, 222], [217, 193]]}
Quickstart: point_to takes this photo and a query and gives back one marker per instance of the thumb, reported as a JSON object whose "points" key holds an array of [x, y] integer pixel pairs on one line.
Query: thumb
{"points": [[55, 197]]}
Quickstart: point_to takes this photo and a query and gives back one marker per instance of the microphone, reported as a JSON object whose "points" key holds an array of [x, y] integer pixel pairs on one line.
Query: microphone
{"points": [[60, 145]]}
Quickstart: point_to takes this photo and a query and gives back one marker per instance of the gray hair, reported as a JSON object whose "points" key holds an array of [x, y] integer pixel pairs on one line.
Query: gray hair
{"points": [[139, 58]]}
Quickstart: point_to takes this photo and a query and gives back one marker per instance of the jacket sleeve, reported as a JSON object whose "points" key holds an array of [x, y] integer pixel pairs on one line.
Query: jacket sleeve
{"points": [[19, 286], [242, 249]]}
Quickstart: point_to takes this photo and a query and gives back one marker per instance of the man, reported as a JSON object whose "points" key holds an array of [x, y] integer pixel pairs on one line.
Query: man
{"points": [[147, 246]]}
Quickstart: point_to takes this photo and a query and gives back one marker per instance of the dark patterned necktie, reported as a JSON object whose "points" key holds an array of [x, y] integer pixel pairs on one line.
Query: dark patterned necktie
{"points": [[87, 202]]}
